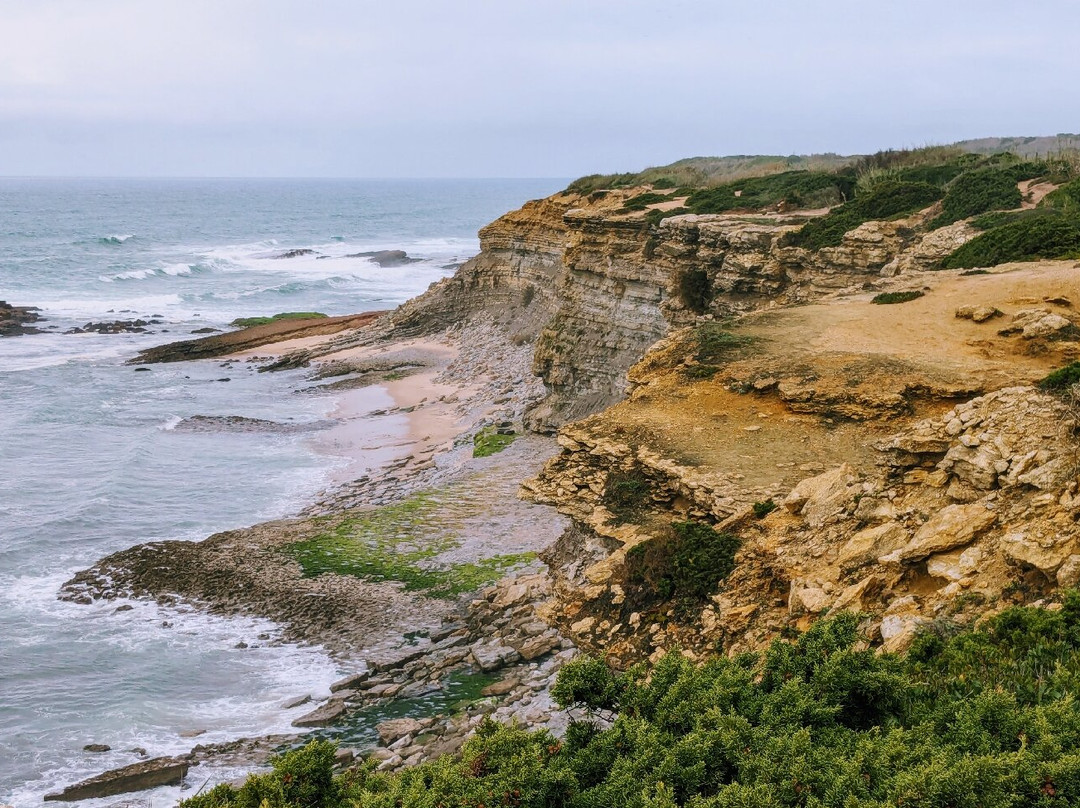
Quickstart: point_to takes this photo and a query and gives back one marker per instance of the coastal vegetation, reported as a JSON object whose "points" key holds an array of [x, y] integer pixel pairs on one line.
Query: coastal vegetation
{"points": [[489, 441], [969, 717], [886, 298], [248, 322], [396, 543]]}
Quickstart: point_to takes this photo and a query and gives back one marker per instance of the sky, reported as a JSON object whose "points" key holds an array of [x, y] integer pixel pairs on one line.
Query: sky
{"points": [[513, 88]]}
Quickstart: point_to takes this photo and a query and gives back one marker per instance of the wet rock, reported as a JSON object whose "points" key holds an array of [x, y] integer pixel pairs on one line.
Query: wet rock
{"points": [[15, 320], [350, 682], [114, 327], [296, 702], [294, 253], [163, 771], [324, 715], [386, 258], [97, 747]]}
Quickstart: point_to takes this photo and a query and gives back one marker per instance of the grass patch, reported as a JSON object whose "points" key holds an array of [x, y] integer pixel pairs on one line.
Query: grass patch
{"points": [[886, 298], [488, 441], [248, 322], [395, 543]]}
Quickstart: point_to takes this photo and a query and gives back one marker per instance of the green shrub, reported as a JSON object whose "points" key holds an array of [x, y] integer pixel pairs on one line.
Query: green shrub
{"points": [[688, 564], [979, 191], [247, 322], [1065, 199], [887, 199], [627, 494], [972, 718], [714, 343], [897, 297], [763, 509], [1061, 379], [1029, 238], [795, 188]]}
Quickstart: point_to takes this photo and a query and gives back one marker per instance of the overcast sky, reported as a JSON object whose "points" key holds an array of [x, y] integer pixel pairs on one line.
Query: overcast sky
{"points": [[513, 88]]}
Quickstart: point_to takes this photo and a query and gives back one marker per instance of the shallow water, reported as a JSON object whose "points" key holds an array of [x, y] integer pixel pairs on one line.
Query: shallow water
{"points": [[90, 462]]}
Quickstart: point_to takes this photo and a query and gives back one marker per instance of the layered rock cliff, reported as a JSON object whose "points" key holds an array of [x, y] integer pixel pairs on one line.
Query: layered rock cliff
{"points": [[893, 460]]}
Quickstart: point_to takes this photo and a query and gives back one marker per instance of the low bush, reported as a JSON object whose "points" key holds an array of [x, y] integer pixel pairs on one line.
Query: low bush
{"points": [[1051, 235], [887, 199], [795, 188], [1061, 379], [1065, 199], [897, 297], [763, 509], [687, 565], [979, 191], [970, 718], [627, 494]]}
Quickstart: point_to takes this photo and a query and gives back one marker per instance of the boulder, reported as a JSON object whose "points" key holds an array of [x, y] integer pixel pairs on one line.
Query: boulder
{"points": [[162, 771], [324, 715], [1031, 323], [819, 498], [397, 728], [951, 527], [1046, 557], [955, 565], [871, 543]]}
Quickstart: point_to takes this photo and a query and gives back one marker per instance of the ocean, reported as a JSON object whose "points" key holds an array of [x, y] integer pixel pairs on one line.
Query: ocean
{"points": [[90, 462]]}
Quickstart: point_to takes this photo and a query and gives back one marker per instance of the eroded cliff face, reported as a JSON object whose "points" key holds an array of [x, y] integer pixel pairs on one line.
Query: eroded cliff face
{"points": [[593, 286], [912, 469]]}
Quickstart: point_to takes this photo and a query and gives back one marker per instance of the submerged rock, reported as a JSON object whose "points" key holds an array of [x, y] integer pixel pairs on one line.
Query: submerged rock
{"points": [[386, 258]]}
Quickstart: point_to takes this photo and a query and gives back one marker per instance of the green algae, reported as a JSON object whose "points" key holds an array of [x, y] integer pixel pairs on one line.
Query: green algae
{"points": [[400, 542]]}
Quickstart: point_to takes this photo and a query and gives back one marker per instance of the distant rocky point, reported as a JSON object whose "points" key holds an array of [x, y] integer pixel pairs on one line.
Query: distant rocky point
{"points": [[14, 319]]}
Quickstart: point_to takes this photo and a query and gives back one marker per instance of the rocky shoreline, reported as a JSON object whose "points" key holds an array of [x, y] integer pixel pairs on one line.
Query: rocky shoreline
{"points": [[407, 645]]}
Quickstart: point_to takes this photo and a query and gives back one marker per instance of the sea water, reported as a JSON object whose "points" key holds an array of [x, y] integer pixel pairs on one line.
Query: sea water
{"points": [[90, 461]]}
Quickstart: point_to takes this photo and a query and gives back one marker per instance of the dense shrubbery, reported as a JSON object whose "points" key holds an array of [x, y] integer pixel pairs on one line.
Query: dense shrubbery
{"points": [[1061, 379], [795, 188], [688, 564], [1049, 235], [1065, 199], [888, 198], [979, 191], [976, 719]]}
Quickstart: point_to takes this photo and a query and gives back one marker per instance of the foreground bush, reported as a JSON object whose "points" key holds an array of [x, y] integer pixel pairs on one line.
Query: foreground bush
{"points": [[984, 718], [1023, 238]]}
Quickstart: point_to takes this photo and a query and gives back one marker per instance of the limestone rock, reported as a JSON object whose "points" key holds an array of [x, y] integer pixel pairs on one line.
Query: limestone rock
{"points": [[872, 543], [820, 498], [397, 728], [951, 527], [956, 565], [324, 715], [1047, 559]]}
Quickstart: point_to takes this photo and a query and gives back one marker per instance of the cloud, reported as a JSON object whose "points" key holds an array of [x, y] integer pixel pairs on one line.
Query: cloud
{"points": [[475, 87]]}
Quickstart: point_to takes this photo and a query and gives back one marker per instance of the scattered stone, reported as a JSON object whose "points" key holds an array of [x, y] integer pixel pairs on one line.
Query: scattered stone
{"points": [[397, 728]]}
